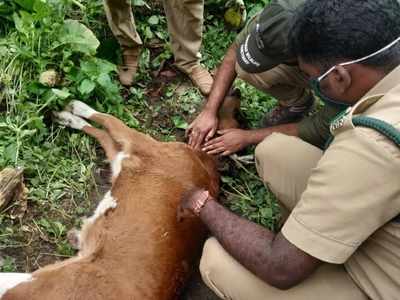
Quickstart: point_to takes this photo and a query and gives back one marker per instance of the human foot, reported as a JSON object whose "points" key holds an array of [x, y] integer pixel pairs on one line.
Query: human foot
{"points": [[128, 70], [200, 78]]}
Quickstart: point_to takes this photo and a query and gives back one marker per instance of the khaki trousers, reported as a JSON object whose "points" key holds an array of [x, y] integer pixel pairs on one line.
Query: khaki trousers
{"points": [[285, 83], [287, 176], [185, 26]]}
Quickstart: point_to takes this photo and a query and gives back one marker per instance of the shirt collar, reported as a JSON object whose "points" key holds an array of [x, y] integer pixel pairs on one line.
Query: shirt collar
{"points": [[374, 104], [388, 83]]}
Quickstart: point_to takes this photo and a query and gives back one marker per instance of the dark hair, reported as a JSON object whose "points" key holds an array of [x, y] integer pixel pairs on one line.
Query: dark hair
{"points": [[326, 32]]}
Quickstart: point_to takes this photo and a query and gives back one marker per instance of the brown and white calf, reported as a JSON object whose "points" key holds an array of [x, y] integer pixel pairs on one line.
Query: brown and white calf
{"points": [[132, 247]]}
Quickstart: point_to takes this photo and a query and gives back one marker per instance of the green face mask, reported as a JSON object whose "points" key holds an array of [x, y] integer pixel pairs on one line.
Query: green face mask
{"points": [[316, 87], [315, 83]]}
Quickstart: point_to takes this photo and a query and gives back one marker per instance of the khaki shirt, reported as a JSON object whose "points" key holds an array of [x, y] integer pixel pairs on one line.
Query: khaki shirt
{"points": [[346, 214]]}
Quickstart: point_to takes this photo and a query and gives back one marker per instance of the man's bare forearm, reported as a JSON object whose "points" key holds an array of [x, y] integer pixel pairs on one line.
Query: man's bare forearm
{"points": [[247, 242], [267, 255], [223, 80], [256, 136]]}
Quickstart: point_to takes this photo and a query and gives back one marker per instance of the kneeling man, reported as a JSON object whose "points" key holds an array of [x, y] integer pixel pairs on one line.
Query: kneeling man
{"points": [[341, 235]]}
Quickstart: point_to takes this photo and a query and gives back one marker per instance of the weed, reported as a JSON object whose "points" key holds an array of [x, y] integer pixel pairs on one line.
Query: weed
{"points": [[246, 195], [69, 40], [7, 264]]}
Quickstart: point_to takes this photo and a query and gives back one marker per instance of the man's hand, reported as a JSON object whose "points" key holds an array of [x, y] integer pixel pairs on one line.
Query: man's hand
{"points": [[229, 142], [202, 128], [192, 202]]}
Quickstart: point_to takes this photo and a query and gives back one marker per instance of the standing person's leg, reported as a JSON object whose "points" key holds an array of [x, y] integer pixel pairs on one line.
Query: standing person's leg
{"points": [[120, 19], [122, 24], [284, 163], [185, 26]]}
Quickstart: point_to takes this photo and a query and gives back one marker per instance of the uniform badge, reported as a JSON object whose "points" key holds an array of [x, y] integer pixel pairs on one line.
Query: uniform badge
{"points": [[339, 120]]}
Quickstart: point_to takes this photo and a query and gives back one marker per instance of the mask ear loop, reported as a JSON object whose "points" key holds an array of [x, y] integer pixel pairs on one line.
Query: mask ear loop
{"points": [[360, 59]]}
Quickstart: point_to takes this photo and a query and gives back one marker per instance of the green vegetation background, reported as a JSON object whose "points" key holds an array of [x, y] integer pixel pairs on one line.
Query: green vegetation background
{"points": [[72, 37]]}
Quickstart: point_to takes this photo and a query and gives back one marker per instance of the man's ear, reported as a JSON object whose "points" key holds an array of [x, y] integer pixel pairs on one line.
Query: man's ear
{"points": [[340, 79]]}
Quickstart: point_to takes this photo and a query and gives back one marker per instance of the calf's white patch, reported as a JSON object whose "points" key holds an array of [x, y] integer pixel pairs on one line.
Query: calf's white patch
{"points": [[107, 203], [11, 280], [116, 164]]}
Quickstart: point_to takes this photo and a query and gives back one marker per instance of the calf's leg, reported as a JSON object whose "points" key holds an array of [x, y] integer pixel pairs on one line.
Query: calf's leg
{"points": [[107, 143], [129, 139]]}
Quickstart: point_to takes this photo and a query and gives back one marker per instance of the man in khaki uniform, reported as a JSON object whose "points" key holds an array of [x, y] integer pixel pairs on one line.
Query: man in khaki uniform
{"points": [[278, 74], [342, 237], [185, 25]]}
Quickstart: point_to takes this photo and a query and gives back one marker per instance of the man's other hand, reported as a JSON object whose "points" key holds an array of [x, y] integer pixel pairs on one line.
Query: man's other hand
{"points": [[203, 128], [229, 142]]}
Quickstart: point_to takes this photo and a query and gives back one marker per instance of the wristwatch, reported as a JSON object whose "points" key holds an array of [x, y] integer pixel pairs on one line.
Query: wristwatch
{"points": [[200, 202]]}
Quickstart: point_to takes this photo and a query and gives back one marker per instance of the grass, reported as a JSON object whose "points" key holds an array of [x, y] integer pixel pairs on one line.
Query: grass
{"points": [[60, 165]]}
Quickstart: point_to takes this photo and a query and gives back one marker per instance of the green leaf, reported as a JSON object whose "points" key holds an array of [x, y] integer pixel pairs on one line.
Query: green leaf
{"points": [[63, 94], [179, 122], [153, 20], [25, 133], [144, 60], [19, 24], [161, 35], [148, 33], [58, 228], [6, 9], [226, 179], [8, 265], [44, 223], [10, 152], [256, 9], [266, 212], [64, 248], [104, 80], [87, 86], [37, 123], [94, 67], [107, 84], [78, 37], [42, 9], [140, 3], [26, 4]]}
